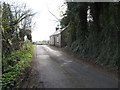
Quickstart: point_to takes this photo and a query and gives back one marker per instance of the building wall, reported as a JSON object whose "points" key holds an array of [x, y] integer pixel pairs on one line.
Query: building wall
{"points": [[55, 40], [58, 40], [52, 40]]}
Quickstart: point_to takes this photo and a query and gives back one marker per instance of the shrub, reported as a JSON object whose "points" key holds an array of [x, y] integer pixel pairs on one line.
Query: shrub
{"points": [[14, 64]]}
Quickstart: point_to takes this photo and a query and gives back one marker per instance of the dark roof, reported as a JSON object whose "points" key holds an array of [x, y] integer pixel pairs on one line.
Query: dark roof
{"points": [[58, 31]]}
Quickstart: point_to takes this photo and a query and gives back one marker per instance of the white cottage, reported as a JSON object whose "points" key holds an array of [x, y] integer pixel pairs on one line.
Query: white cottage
{"points": [[56, 38]]}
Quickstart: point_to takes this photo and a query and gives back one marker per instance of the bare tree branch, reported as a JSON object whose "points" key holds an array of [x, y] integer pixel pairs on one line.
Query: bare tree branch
{"points": [[53, 15]]}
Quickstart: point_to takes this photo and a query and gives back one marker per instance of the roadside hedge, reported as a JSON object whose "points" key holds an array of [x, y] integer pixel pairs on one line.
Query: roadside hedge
{"points": [[14, 64]]}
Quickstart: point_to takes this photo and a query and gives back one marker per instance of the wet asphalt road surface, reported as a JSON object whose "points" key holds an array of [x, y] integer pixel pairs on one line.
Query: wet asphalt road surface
{"points": [[55, 70]]}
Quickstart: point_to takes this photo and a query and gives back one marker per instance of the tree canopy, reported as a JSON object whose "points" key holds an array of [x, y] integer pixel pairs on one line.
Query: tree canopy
{"points": [[16, 23], [92, 30]]}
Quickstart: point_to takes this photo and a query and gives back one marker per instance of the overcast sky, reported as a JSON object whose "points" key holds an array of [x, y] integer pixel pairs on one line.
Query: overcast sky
{"points": [[45, 24]]}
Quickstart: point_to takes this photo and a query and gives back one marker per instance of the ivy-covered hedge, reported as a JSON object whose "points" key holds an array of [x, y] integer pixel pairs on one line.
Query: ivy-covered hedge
{"points": [[101, 47], [14, 64]]}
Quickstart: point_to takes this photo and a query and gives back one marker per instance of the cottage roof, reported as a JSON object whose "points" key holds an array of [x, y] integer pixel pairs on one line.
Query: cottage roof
{"points": [[58, 32]]}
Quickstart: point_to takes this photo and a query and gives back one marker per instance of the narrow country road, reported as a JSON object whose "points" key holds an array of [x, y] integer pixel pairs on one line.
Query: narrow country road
{"points": [[54, 70]]}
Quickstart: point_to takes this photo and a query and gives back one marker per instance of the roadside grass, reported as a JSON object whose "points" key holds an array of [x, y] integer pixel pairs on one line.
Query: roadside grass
{"points": [[18, 60]]}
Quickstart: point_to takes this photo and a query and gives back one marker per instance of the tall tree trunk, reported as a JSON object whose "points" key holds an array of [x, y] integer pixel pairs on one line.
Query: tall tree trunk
{"points": [[83, 20]]}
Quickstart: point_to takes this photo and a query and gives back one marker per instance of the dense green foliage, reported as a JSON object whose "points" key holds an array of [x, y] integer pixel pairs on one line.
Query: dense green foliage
{"points": [[93, 35], [16, 52], [15, 64]]}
